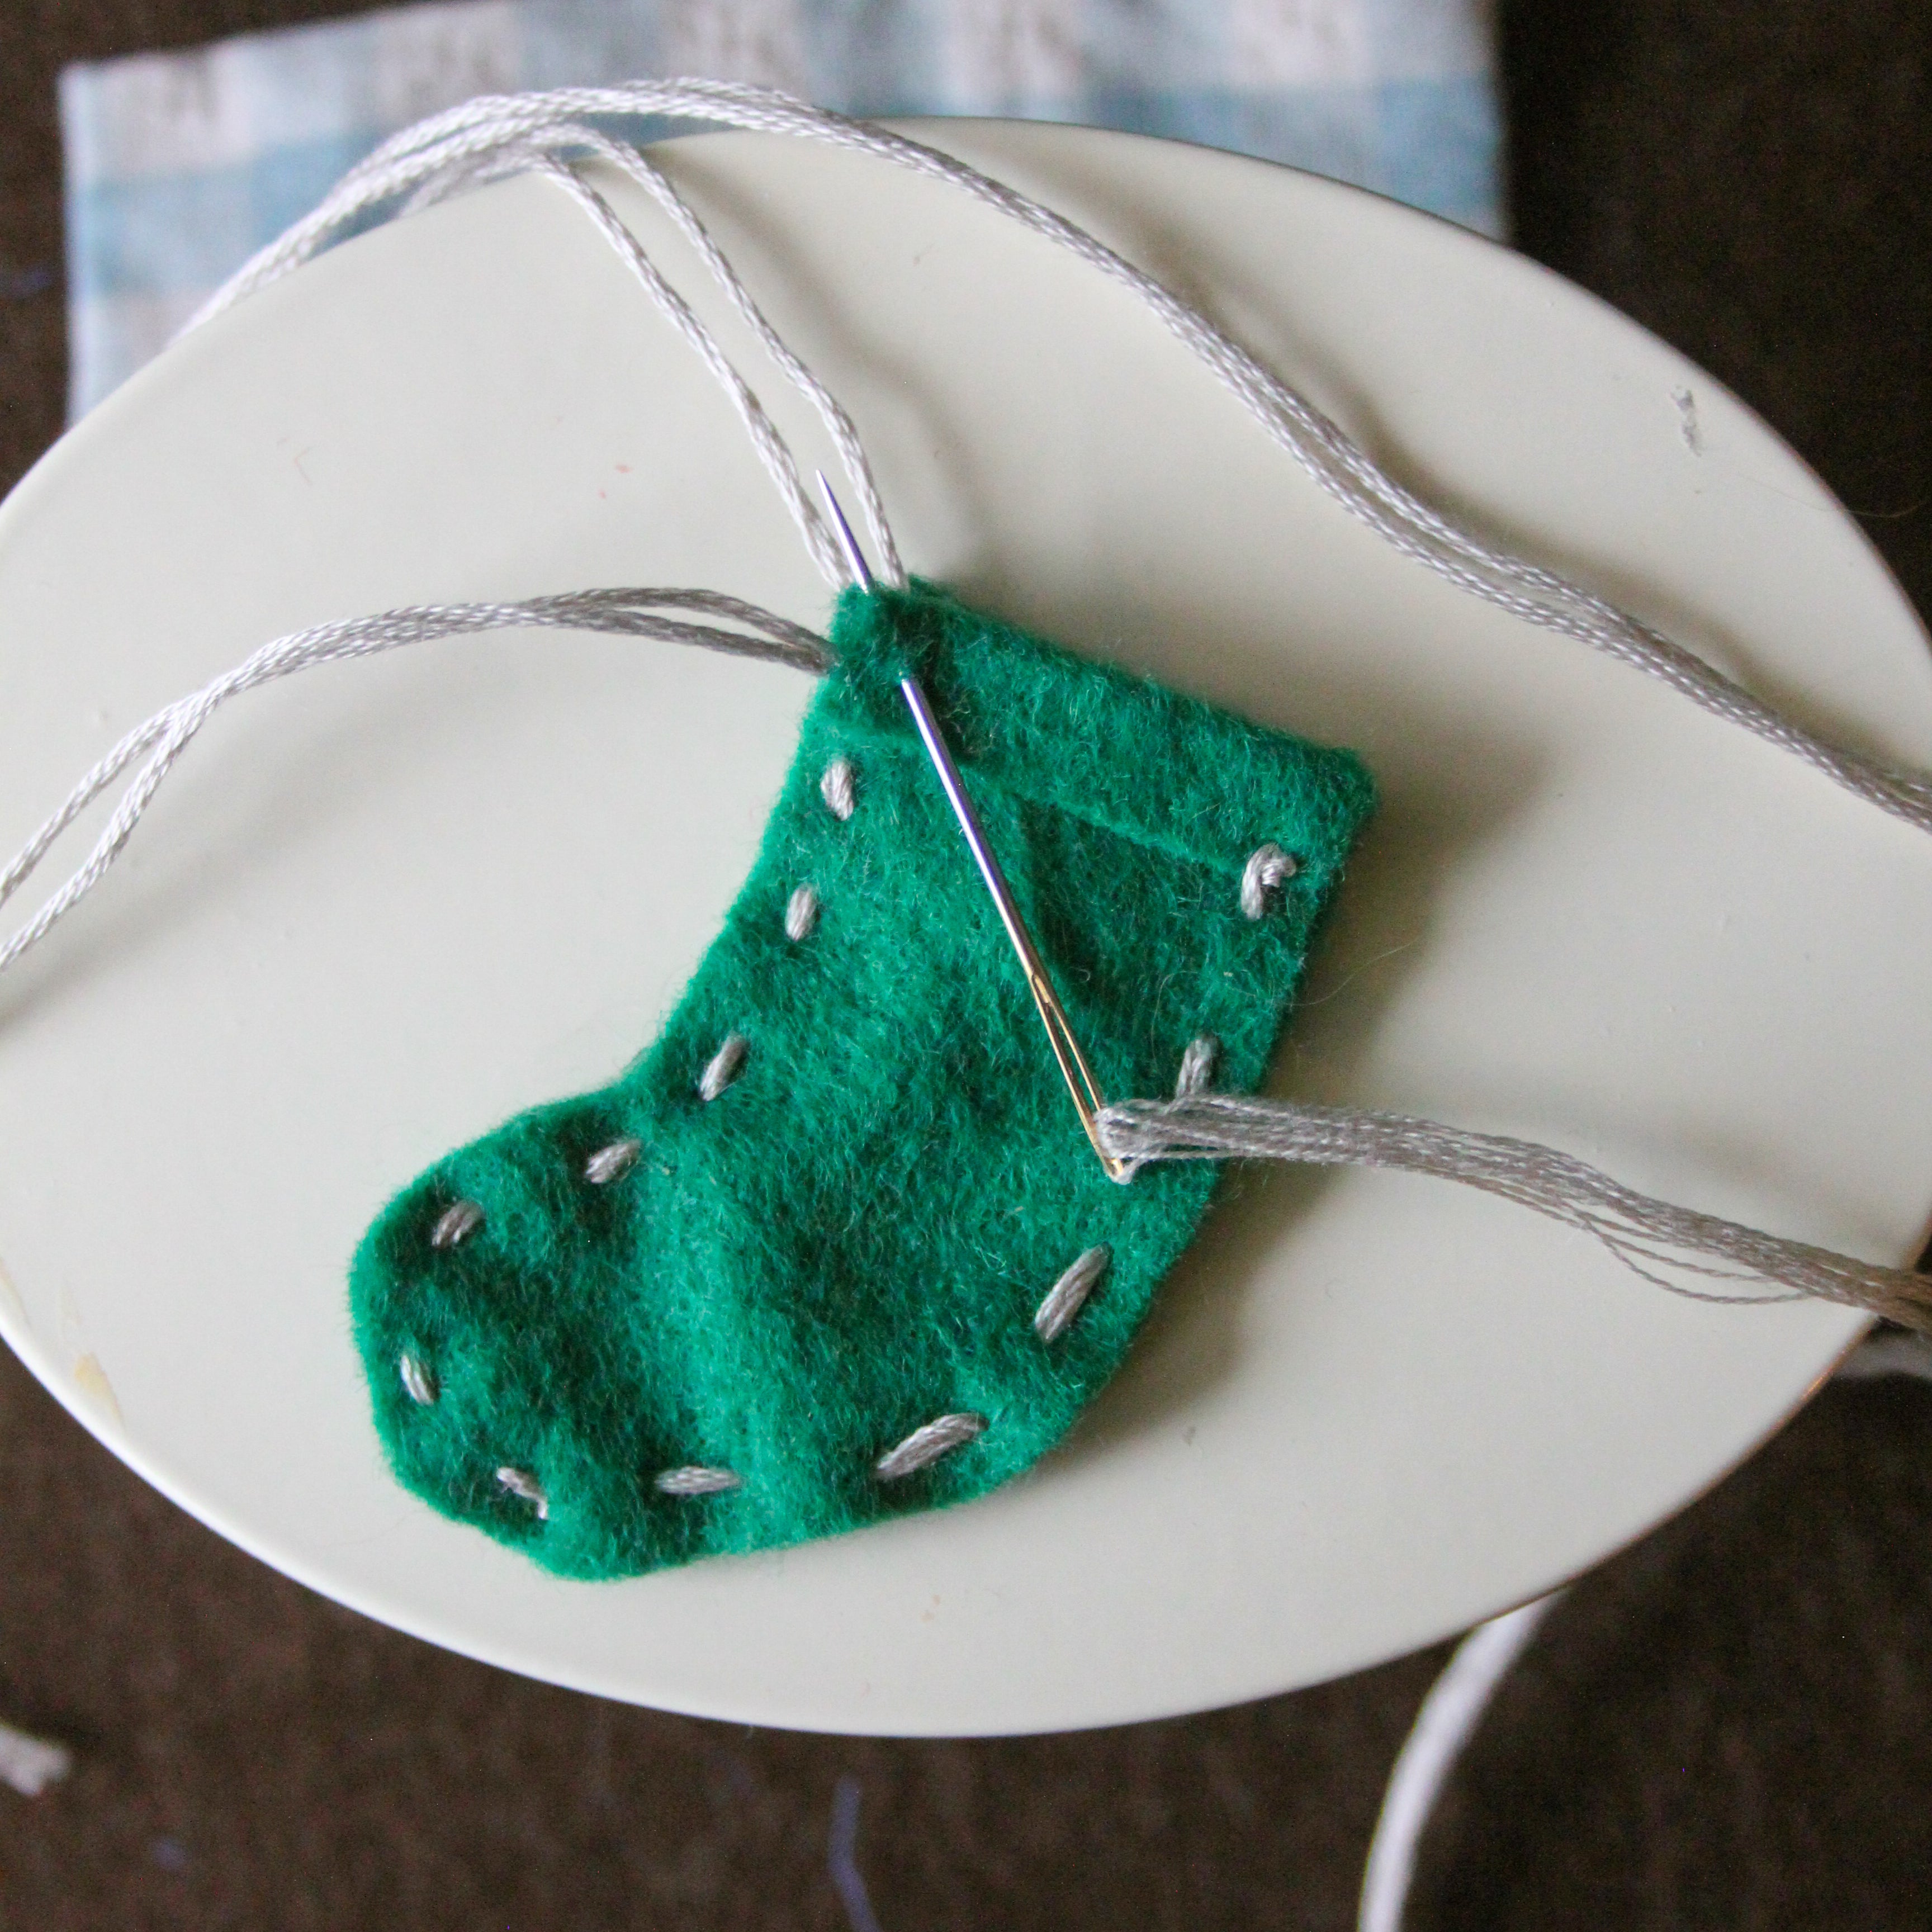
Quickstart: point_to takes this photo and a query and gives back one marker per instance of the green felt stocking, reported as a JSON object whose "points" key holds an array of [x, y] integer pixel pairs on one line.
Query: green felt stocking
{"points": [[718, 1305]]}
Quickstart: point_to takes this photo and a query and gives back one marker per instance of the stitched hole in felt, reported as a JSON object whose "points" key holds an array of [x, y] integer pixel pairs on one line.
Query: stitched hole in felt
{"points": [[801, 914], [612, 1160], [1268, 868], [724, 1067], [1068, 1295], [457, 1222], [521, 1482], [925, 1445], [838, 788], [695, 1480], [1197, 1066], [417, 1380]]}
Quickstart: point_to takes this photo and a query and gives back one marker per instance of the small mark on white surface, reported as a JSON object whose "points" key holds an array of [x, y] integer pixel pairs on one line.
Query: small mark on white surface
{"points": [[1687, 425], [90, 1381], [10, 1298]]}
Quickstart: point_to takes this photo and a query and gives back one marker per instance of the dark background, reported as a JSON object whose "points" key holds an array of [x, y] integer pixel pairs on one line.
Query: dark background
{"points": [[1729, 1726]]}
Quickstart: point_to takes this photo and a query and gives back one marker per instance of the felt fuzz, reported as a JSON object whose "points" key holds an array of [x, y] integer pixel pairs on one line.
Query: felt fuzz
{"points": [[781, 1279]]}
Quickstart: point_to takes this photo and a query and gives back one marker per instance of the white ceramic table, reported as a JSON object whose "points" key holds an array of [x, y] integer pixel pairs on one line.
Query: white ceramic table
{"points": [[383, 906]]}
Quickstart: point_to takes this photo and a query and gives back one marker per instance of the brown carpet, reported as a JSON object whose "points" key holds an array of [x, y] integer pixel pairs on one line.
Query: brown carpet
{"points": [[1728, 1726]]}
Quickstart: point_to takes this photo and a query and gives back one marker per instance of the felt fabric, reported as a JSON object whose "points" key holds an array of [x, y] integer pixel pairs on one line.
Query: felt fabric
{"points": [[851, 1239]]}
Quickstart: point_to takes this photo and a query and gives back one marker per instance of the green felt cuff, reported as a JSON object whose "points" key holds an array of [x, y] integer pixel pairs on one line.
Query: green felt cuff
{"points": [[853, 1235]]}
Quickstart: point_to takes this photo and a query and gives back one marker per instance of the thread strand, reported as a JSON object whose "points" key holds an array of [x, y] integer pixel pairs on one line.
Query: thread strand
{"points": [[1656, 1240], [165, 736], [1339, 465]]}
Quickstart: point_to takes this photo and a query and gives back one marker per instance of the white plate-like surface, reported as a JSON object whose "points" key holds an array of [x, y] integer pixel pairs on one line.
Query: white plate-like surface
{"points": [[382, 908]]}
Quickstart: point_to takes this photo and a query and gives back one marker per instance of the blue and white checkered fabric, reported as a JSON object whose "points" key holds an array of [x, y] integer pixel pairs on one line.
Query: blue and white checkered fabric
{"points": [[180, 165]]}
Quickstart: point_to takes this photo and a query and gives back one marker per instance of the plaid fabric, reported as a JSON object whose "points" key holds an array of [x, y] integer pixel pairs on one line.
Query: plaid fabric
{"points": [[180, 165]]}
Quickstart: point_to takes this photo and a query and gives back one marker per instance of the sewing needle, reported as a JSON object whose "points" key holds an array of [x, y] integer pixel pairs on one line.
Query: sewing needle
{"points": [[1073, 1067]]}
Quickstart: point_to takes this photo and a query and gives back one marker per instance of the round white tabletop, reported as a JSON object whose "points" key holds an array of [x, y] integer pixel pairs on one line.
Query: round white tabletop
{"points": [[384, 906]]}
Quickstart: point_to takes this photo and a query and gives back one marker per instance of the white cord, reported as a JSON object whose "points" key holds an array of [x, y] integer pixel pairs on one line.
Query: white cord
{"points": [[163, 737], [1887, 1354], [1648, 1235], [1443, 1727], [773, 451], [476, 170], [1460, 1698], [455, 144]]}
